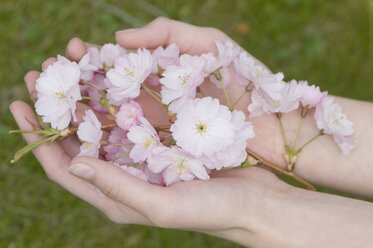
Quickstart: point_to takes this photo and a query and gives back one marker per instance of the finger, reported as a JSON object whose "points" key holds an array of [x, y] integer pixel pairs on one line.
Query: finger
{"points": [[54, 161], [163, 32], [30, 79], [48, 62], [118, 185], [77, 48]]}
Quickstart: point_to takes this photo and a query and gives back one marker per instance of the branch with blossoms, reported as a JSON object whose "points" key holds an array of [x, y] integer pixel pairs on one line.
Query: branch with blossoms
{"points": [[202, 135]]}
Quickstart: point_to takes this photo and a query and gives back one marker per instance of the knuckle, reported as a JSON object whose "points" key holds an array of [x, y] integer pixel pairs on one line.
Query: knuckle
{"points": [[113, 191], [217, 33], [161, 20]]}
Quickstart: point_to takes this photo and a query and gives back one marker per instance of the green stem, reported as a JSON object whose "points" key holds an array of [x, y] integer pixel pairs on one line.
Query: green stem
{"points": [[239, 99], [94, 86], [279, 115], [121, 156], [225, 93], [91, 98], [308, 142], [298, 132], [150, 92], [156, 93]]}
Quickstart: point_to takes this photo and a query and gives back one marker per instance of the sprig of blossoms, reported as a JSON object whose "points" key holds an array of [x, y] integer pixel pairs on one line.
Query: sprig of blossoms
{"points": [[202, 134]]}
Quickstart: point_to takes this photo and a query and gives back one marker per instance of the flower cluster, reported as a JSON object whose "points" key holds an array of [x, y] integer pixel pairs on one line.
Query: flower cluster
{"points": [[201, 135]]}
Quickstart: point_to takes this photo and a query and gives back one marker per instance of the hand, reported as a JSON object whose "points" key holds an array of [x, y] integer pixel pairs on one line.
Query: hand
{"points": [[235, 204], [321, 162]]}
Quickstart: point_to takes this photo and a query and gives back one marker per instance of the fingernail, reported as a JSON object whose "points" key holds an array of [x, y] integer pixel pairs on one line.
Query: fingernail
{"points": [[83, 171], [126, 31]]}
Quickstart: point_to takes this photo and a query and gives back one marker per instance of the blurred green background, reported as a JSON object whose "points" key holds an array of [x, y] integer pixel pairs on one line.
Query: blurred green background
{"points": [[324, 41]]}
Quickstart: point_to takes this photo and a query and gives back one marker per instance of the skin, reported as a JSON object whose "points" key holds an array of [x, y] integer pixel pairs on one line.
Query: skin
{"points": [[250, 206]]}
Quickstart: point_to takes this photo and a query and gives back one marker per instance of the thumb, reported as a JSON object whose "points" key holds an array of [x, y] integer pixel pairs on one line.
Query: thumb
{"points": [[116, 184]]}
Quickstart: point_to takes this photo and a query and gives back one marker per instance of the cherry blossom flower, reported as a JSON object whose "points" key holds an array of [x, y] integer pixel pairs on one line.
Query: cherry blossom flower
{"points": [[176, 165], [145, 139], [227, 52], [234, 155], [58, 91], [203, 127], [90, 63], [95, 59], [180, 82], [109, 52], [289, 95], [247, 69], [128, 74], [163, 58], [128, 115], [311, 95], [329, 117], [89, 131], [118, 136]]}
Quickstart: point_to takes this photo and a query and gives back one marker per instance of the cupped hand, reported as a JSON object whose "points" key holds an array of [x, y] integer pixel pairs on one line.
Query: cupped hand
{"points": [[196, 205]]}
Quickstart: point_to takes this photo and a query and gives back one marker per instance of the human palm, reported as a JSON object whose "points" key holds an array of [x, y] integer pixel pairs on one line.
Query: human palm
{"points": [[195, 205]]}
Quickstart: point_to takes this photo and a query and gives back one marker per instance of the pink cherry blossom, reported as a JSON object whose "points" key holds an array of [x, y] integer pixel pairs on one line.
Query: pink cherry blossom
{"points": [[346, 145], [109, 52], [129, 72], [176, 165], [118, 136], [311, 95], [90, 63], [227, 52], [247, 69], [145, 139], [179, 83], [330, 118], [235, 154], [203, 127], [287, 99], [128, 115], [58, 91], [162, 58], [95, 59], [212, 63], [89, 132]]}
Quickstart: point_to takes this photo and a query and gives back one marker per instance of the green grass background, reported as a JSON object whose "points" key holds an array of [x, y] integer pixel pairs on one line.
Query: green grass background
{"points": [[324, 41]]}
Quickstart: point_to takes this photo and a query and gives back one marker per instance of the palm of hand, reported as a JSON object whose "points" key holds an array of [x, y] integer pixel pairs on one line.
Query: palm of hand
{"points": [[185, 205]]}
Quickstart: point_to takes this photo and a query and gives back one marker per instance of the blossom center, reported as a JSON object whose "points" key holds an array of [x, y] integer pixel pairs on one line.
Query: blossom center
{"points": [[201, 127], [259, 72], [61, 95], [131, 74], [87, 145], [181, 166], [147, 142], [335, 123], [184, 78]]}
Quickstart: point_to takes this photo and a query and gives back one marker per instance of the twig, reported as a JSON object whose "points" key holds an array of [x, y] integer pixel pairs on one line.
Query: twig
{"points": [[278, 169]]}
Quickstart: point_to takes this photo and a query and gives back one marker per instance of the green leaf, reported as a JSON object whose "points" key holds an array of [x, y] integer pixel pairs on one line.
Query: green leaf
{"points": [[28, 148]]}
